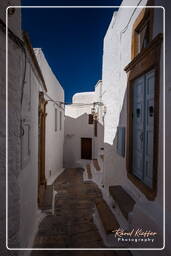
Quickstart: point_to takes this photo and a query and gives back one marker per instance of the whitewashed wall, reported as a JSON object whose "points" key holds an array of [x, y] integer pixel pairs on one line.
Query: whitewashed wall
{"points": [[99, 140], [77, 126], [117, 54], [28, 178], [22, 175], [14, 141], [54, 139]]}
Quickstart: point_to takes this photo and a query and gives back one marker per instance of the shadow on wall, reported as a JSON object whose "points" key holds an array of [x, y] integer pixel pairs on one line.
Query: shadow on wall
{"points": [[115, 153], [75, 129]]}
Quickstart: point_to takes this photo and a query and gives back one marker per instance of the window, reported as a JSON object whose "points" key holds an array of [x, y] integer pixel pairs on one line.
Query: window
{"points": [[90, 119], [143, 37], [60, 120], [56, 119], [142, 31]]}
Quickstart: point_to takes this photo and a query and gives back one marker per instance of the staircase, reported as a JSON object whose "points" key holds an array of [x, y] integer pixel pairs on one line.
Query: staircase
{"points": [[122, 199], [113, 214], [113, 211], [94, 171], [106, 222]]}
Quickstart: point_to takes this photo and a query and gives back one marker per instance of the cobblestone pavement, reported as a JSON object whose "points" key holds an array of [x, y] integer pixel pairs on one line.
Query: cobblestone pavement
{"points": [[72, 225]]}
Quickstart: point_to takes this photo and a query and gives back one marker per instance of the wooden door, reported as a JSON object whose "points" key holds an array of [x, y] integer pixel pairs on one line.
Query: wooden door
{"points": [[41, 149], [143, 127], [149, 128], [86, 148], [138, 127]]}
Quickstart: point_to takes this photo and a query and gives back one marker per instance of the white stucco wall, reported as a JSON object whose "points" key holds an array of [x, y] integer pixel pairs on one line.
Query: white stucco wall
{"points": [[117, 54], [14, 128], [28, 178], [99, 140], [14, 20], [22, 179], [86, 97], [54, 139], [76, 127]]}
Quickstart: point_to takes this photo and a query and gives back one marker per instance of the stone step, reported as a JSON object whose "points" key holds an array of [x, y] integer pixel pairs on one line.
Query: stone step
{"points": [[96, 164], [108, 220], [89, 171], [123, 200]]}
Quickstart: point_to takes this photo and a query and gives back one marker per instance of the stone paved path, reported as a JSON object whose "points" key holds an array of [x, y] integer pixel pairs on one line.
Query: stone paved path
{"points": [[72, 224]]}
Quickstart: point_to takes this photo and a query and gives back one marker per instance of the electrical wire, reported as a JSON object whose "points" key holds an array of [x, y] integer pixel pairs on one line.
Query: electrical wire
{"points": [[126, 27], [24, 76], [85, 104], [73, 104], [15, 38], [20, 43]]}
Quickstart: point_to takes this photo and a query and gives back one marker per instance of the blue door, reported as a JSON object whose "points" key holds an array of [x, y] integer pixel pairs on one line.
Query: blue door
{"points": [[143, 127]]}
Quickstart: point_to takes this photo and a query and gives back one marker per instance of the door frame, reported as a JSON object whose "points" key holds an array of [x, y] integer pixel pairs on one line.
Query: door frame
{"points": [[41, 148], [142, 125], [147, 60]]}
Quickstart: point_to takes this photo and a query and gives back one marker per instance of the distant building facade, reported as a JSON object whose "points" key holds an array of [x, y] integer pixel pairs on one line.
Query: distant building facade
{"points": [[83, 128]]}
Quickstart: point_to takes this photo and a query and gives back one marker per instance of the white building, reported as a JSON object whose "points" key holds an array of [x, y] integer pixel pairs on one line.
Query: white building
{"points": [[132, 93], [42, 140], [14, 129], [54, 137], [35, 132], [28, 144], [83, 135]]}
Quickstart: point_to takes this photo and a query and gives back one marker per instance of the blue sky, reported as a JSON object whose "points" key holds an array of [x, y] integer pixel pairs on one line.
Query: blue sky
{"points": [[71, 39]]}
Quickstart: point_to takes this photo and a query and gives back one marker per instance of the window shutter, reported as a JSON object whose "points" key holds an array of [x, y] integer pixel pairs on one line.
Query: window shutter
{"points": [[138, 127], [121, 141], [95, 128], [149, 131], [90, 119]]}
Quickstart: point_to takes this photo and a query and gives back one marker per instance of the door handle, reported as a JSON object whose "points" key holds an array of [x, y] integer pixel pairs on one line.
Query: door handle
{"points": [[151, 111], [141, 136]]}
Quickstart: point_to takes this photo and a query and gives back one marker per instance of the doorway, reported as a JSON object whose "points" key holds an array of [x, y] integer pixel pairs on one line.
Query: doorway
{"points": [[41, 150], [143, 127], [86, 148]]}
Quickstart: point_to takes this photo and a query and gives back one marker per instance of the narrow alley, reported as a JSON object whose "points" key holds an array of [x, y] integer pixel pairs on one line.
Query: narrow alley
{"points": [[83, 142], [71, 225]]}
